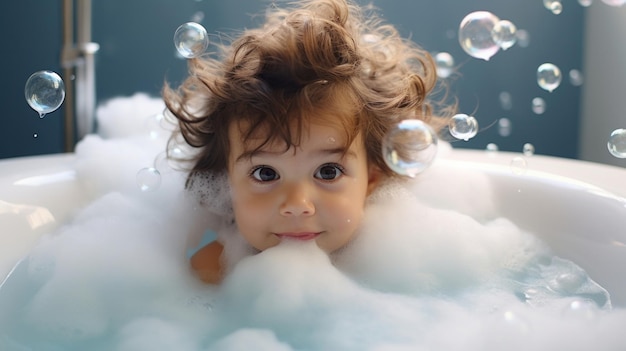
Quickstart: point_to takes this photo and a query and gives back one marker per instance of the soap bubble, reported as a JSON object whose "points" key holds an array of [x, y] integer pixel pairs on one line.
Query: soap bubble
{"points": [[554, 6], [615, 3], [617, 143], [445, 64], [191, 39], [585, 3], [148, 179], [475, 34], [575, 77], [410, 147], [197, 17], [506, 100], [504, 127], [492, 147], [528, 149], [523, 38], [548, 76], [463, 126], [518, 165], [44, 92], [504, 34], [538, 105]]}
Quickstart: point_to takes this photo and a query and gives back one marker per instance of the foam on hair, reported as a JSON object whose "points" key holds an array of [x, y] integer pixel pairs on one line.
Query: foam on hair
{"points": [[212, 191]]}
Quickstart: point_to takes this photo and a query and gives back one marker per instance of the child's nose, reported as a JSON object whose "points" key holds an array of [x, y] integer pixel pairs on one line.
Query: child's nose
{"points": [[297, 201]]}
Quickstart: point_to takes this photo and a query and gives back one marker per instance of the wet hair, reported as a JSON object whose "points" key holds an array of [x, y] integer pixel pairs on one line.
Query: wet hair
{"points": [[313, 61]]}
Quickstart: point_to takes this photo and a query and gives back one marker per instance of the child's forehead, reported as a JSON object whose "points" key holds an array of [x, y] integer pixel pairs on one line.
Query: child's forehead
{"points": [[248, 139]]}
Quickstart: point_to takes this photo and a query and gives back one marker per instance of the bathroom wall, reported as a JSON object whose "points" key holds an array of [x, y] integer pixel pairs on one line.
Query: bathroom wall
{"points": [[604, 98], [137, 54], [31, 41]]}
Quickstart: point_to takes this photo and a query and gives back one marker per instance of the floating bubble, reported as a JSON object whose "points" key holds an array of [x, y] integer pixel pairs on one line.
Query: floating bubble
{"points": [[169, 160], [538, 105], [155, 126], [197, 17], [615, 3], [162, 163], [35, 135], [528, 149], [585, 3], [175, 152], [44, 92], [463, 126], [503, 34], [617, 143], [504, 127], [148, 179], [555, 6], [523, 38], [518, 165], [445, 64], [575, 77], [506, 100], [548, 76], [492, 147], [410, 147], [475, 34], [191, 39]]}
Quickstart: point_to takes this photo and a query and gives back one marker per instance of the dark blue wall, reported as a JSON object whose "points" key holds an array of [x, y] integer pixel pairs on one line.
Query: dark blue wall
{"points": [[137, 54]]}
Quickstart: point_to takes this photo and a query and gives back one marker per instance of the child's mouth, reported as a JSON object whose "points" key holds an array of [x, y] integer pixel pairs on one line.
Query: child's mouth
{"points": [[304, 236]]}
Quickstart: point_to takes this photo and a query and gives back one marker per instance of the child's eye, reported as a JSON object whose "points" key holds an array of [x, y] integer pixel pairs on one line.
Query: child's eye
{"points": [[264, 174], [329, 172]]}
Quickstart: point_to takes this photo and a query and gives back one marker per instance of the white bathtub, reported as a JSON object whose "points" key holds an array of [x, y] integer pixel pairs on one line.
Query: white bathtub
{"points": [[578, 208]]}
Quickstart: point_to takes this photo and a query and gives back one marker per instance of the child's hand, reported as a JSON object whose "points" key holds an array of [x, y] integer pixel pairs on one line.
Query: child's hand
{"points": [[207, 263]]}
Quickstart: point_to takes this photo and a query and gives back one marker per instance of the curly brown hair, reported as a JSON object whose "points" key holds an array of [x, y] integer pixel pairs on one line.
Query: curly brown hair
{"points": [[312, 59]]}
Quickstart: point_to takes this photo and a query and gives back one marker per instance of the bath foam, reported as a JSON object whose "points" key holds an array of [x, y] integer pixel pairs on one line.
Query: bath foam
{"points": [[116, 277]]}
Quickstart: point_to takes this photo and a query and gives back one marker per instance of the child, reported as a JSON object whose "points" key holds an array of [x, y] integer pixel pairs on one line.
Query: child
{"points": [[291, 117]]}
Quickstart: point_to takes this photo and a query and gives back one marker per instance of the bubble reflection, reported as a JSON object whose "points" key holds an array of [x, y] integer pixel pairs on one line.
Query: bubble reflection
{"points": [[548, 76], [191, 40], [410, 147], [475, 34], [617, 143], [554, 6], [148, 179], [538, 105], [445, 64], [504, 127], [44, 92], [463, 126], [528, 149], [504, 34]]}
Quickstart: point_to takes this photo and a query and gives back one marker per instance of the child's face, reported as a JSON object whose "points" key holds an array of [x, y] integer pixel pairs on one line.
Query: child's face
{"points": [[313, 192]]}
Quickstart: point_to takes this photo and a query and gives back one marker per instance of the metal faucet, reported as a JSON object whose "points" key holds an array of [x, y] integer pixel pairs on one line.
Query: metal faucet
{"points": [[78, 63]]}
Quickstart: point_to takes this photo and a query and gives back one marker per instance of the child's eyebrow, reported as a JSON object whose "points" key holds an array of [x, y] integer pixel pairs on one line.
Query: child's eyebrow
{"points": [[248, 154]]}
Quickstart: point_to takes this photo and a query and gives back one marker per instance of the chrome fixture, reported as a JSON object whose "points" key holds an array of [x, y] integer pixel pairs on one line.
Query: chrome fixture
{"points": [[78, 63]]}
